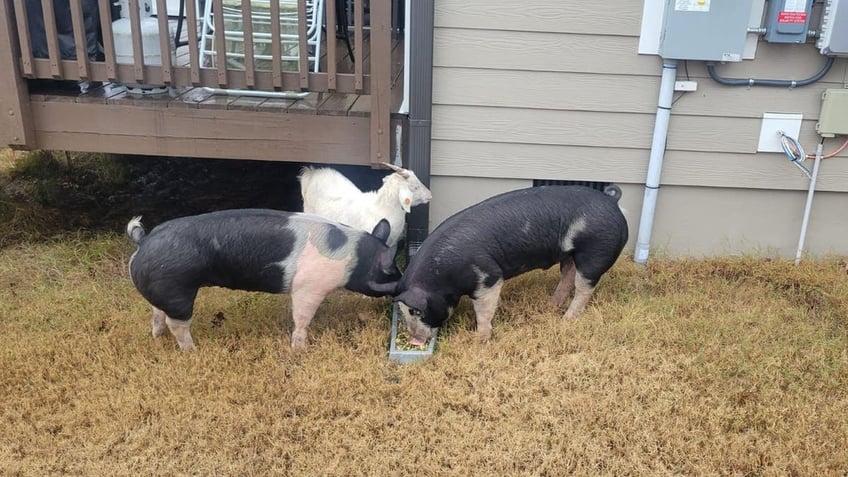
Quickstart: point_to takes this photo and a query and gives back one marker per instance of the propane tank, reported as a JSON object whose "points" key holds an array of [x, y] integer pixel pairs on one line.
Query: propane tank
{"points": [[122, 33]]}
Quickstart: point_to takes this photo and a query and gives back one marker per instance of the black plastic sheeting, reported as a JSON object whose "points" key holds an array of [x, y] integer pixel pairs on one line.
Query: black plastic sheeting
{"points": [[65, 29]]}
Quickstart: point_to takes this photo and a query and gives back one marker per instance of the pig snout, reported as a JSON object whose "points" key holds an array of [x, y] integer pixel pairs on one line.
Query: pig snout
{"points": [[416, 342], [419, 332]]}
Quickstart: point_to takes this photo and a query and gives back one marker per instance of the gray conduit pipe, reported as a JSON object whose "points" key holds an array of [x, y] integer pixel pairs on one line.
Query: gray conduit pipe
{"points": [[652, 182], [770, 82], [809, 204]]}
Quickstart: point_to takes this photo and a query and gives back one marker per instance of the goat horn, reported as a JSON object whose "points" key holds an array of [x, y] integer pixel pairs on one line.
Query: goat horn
{"points": [[399, 170]]}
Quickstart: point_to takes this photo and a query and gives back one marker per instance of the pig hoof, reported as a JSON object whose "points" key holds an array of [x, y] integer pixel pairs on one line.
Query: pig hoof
{"points": [[298, 342], [569, 315]]}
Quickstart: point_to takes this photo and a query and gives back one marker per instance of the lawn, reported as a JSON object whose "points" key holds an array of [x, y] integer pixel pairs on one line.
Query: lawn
{"points": [[735, 366]]}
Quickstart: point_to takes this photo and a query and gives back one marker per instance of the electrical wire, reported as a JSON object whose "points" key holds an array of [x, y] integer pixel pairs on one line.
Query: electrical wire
{"points": [[683, 93], [795, 152], [793, 149], [179, 31], [831, 154]]}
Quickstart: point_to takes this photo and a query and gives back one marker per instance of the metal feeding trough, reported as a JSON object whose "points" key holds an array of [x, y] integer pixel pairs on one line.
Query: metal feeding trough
{"points": [[401, 355]]}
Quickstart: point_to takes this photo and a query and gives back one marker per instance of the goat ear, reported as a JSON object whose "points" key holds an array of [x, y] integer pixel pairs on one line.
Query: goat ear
{"points": [[382, 230], [405, 198]]}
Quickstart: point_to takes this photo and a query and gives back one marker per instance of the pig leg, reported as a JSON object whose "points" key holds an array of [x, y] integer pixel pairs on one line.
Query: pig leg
{"points": [[304, 305], [180, 330], [583, 289], [485, 304], [158, 320], [566, 282], [316, 276]]}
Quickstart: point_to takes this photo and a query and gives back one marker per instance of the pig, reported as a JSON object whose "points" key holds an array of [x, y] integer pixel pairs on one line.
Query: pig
{"points": [[256, 250], [475, 250]]}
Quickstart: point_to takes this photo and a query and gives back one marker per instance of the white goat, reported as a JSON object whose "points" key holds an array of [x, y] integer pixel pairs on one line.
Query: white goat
{"points": [[328, 193]]}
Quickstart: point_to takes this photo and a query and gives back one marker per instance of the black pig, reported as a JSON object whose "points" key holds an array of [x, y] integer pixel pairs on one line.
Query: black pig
{"points": [[475, 250]]}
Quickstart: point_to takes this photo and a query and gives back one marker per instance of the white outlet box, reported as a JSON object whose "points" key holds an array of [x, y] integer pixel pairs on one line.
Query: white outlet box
{"points": [[685, 85], [789, 123]]}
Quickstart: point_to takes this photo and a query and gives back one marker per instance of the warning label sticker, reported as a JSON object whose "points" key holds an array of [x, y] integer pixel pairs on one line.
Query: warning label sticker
{"points": [[692, 5], [792, 17]]}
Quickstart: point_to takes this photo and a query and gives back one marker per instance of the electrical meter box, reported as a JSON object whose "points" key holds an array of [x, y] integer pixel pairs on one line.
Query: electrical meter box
{"points": [[833, 119], [834, 29], [787, 21], [708, 30]]}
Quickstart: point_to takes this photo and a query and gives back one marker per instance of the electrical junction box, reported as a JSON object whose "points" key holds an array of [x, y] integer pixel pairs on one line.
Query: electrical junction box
{"points": [[833, 118], [787, 21], [708, 30], [834, 29]]}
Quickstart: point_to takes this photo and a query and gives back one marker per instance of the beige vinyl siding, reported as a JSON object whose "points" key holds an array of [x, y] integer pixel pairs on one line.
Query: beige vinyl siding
{"points": [[600, 54], [619, 17], [457, 193], [555, 89], [585, 92], [699, 221], [693, 221], [580, 163]]}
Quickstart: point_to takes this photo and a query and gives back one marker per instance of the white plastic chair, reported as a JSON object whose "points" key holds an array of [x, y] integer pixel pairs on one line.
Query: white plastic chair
{"points": [[262, 38]]}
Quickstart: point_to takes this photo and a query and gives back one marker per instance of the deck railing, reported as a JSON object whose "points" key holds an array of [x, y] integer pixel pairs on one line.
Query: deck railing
{"points": [[181, 66]]}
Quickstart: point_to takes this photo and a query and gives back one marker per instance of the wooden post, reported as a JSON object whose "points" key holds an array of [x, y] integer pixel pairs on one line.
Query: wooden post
{"points": [[108, 40], [16, 124], [53, 50], [359, 43], [23, 36], [79, 39], [137, 40], [220, 41], [381, 81], [276, 48], [193, 53], [303, 48], [165, 40], [331, 44], [247, 36]]}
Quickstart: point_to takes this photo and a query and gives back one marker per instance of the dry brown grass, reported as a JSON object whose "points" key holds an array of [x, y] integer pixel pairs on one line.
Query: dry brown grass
{"points": [[694, 367], [734, 367]]}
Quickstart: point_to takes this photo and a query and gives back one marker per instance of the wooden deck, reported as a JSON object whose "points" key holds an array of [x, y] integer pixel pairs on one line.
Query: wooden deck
{"points": [[325, 126], [329, 104]]}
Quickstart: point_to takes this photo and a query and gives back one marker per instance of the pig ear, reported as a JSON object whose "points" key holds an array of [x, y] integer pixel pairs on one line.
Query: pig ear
{"points": [[413, 298], [382, 230], [387, 258], [405, 198]]}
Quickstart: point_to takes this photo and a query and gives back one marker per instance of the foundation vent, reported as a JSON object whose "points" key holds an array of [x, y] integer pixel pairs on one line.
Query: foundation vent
{"points": [[594, 185]]}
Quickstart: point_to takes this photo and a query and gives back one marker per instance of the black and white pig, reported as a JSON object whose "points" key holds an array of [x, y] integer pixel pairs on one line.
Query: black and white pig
{"points": [[475, 250], [256, 250]]}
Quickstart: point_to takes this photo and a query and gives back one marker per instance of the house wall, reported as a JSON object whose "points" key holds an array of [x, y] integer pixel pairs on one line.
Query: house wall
{"points": [[555, 89]]}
